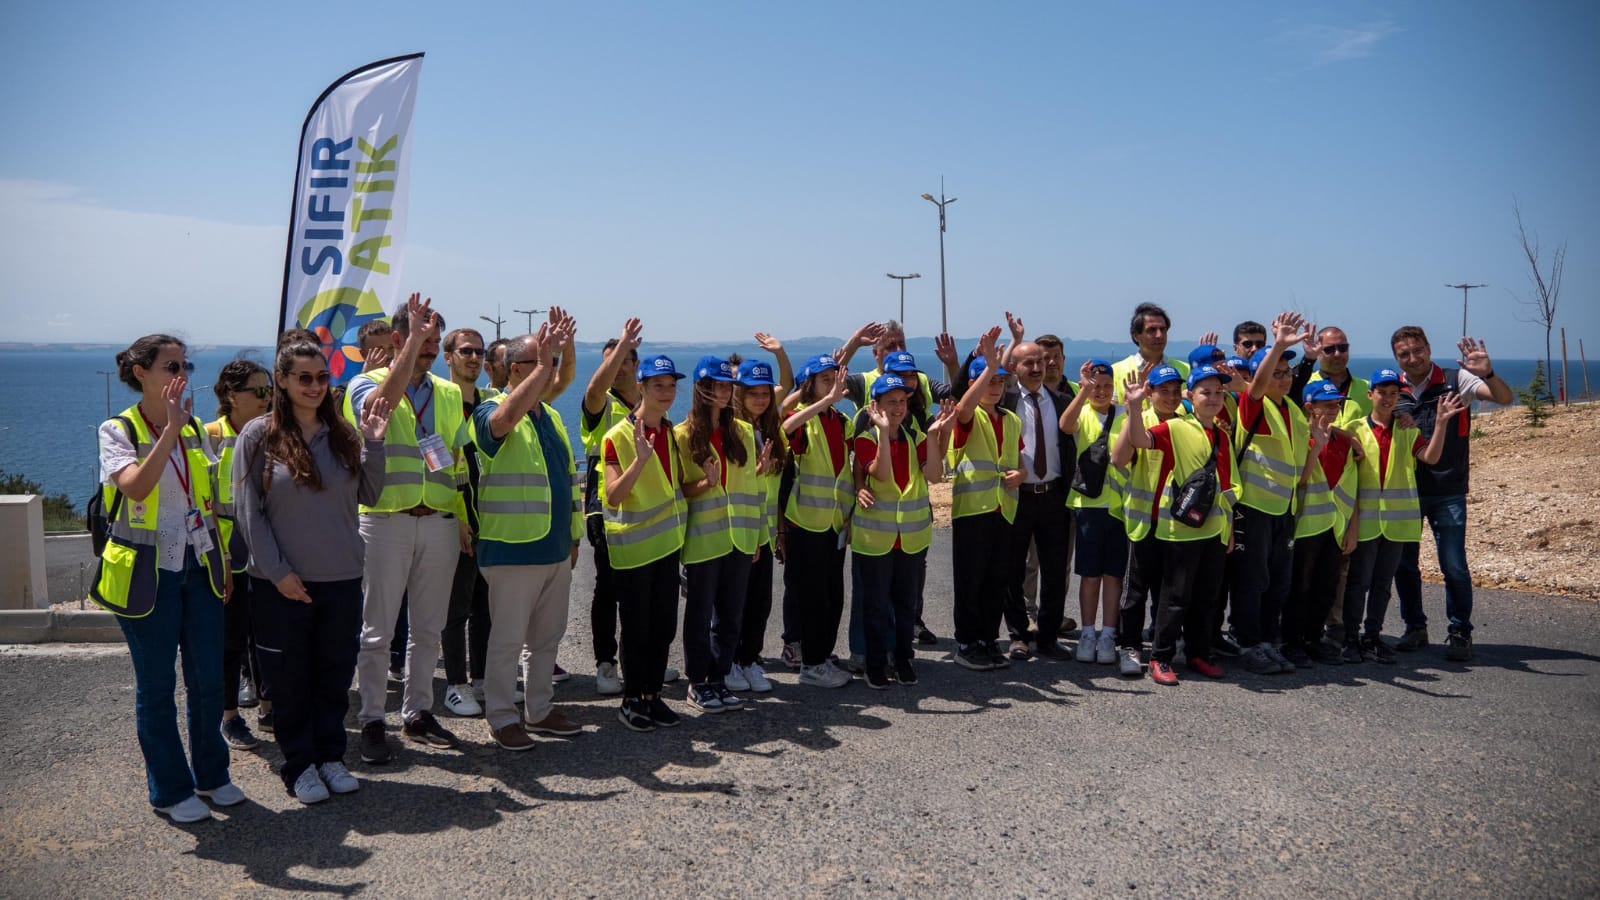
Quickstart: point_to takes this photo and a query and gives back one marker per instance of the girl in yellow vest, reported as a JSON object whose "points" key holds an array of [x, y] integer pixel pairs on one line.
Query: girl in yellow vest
{"points": [[893, 524], [812, 526], [1322, 536], [1188, 553], [755, 404], [1101, 557], [719, 477], [642, 503], [244, 391], [1388, 511], [985, 453], [1163, 394], [164, 573]]}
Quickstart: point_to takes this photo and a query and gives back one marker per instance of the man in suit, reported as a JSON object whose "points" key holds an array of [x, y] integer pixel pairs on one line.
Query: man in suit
{"points": [[1049, 457]]}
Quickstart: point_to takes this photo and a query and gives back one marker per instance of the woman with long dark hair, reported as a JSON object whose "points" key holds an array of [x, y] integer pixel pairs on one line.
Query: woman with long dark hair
{"points": [[301, 473], [755, 403]]}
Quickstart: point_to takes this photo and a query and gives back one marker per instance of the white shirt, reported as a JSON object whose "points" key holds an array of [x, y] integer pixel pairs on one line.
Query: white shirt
{"points": [[117, 453], [1052, 435]]}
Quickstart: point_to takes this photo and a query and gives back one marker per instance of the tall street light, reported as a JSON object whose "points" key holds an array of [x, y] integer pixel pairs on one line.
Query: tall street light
{"points": [[496, 321], [108, 386], [530, 313], [1465, 289], [942, 202], [902, 279]]}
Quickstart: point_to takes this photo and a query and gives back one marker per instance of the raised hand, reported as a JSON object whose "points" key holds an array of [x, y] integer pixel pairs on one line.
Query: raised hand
{"points": [[547, 342], [632, 336], [989, 347], [179, 407], [1086, 373], [944, 347], [423, 319], [1319, 436], [1475, 357], [867, 334], [559, 318], [1312, 341], [1135, 388], [1209, 338], [839, 389], [375, 421], [1017, 329], [641, 442], [769, 343], [765, 466], [1286, 329], [945, 420], [712, 466], [1449, 405], [878, 415]]}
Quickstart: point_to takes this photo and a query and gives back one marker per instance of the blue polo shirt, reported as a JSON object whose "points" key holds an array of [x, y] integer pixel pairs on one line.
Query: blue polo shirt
{"points": [[557, 448]]}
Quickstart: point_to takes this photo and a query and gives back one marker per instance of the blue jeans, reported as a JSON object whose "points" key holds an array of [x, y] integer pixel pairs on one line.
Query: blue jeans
{"points": [[1448, 518], [187, 617]]}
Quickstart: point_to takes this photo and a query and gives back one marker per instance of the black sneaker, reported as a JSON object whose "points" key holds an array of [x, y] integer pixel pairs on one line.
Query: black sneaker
{"points": [[661, 714], [423, 728], [877, 677], [1323, 653], [635, 714], [1413, 639], [1297, 655], [264, 722], [1352, 653], [730, 700], [1225, 645], [236, 734], [1375, 648], [904, 672], [374, 744], [925, 637], [1458, 647], [998, 658], [974, 657]]}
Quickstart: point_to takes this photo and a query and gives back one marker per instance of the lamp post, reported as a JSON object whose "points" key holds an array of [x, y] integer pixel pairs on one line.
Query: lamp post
{"points": [[902, 279], [496, 321], [530, 313], [942, 202], [1465, 289], [108, 390]]}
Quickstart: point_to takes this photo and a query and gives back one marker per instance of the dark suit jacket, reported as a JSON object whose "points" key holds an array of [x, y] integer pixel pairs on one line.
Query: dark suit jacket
{"points": [[1068, 445]]}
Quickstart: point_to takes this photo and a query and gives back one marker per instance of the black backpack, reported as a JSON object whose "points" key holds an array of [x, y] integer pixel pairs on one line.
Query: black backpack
{"points": [[1090, 477], [1192, 502], [95, 510]]}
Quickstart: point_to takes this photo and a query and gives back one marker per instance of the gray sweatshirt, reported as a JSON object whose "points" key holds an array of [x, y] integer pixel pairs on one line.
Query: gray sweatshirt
{"points": [[291, 528]]}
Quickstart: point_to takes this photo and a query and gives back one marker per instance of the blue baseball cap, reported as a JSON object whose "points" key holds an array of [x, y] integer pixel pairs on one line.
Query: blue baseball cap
{"points": [[1238, 363], [1260, 356], [1205, 355], [1100, 366], [978, 364], [1164, 375], [714, 369], [1386, 376], [1201, 373], [889, 382], [755, 373], [900, 362], [1318, 391], [658, 365], [822, 362]]}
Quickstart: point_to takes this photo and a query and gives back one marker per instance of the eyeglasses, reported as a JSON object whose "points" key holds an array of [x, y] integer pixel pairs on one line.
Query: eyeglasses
{"points": [[261, 393], [1335, 348], [1253, 345], [306, 378], [468, 351], [173, 367]]}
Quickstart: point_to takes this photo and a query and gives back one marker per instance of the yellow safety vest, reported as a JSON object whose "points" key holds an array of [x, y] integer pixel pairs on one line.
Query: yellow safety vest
{"points": [[1090, 425], [1357, 402], [928, 403], [821, 500], [1389, 507], [126, 581], [1270, 468], [592, 438], [980, 466], [1145, 511], [232, 536], [407, 483], [906, 515], [723, 519], [1135, 362], [514, 484], [649, 524], [1323, 505], [770, 484]]}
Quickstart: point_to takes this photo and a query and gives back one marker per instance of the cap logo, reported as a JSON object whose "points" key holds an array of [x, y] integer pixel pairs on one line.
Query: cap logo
{"points": [[825, 360], [663, 364]]}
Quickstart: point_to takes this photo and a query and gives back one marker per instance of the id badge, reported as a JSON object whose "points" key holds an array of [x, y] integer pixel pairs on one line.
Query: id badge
{"points": [[199, 537], [436, 453]]}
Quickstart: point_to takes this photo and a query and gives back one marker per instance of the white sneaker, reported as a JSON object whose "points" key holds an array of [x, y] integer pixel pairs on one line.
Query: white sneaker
{"points": [[757, 677], [227, 795], [1129, 663], [825, 675], [458, 699], [736, 680], [606, 680], [192, 809], [1105, 651], [1085, 653], [338, 778], [308, 788]]}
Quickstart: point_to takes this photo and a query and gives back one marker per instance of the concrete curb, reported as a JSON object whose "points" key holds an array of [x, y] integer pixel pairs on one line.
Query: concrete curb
{"points": [[78, 626]]}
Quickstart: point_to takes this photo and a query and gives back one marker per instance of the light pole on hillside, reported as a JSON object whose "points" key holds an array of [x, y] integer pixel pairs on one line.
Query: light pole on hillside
{"points": [[942, 202], [108, 390], [530, 313], [496, 321], [1465, 289], [902, 279]]}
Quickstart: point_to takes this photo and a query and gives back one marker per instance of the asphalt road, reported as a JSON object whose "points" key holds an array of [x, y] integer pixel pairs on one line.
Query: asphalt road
{"points": [[1424, 778]]}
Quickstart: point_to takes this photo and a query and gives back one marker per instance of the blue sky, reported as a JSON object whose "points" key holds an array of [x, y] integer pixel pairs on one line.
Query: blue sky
{"points": [[719, 168]]}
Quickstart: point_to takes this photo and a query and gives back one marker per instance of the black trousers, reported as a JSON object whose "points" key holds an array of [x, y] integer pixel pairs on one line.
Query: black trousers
{"points": [[1372, 569], [1044, 521], [1145, 563], [1316, 584], [308, 652], [603, 603], [712, 615], [757, 609], [1264, 570], [649, 614], [813, 580], [238, 644], [980, 554], [1190, 573], [890, 586], [466, 627]]}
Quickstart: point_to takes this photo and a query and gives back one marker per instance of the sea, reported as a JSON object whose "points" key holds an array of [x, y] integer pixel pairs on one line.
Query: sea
{"points": [[55, 397]]}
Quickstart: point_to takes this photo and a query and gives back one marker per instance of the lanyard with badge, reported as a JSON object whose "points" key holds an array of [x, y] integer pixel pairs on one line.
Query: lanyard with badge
{"points": [[433, 448], [194, 522]]}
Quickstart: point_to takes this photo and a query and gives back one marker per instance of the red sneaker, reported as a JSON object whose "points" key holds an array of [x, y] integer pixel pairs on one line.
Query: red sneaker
{"points": [[1207, 668], [1161, 673]]}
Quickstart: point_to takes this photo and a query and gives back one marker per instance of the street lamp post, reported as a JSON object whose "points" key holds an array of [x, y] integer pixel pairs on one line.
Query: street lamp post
{"points": [[942, 202], [108, 390], [902, 279], [1465, 289], [530, 313], [496, 321]]}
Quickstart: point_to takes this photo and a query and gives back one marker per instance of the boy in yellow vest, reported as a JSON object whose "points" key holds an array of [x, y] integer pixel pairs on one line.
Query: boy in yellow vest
{"points": [[1101, 559], [1322, 536]]}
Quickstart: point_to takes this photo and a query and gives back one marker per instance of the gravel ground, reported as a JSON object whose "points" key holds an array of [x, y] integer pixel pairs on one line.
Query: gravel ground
{"points": [[1425, 778]]}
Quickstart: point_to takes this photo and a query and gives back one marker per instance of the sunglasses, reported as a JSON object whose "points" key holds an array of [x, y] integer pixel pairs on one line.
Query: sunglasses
{"points": [[1335, 348], [306, 379], [173, 367], [1252, 345], [468, 351], [261, 393]]}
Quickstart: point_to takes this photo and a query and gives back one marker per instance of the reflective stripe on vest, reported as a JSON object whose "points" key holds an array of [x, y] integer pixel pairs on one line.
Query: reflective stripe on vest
{"points": [[723, 519], [649, 524], [980, 466], [906, 515], [1392, 510], [1323, 506], [821, 500], [1269, 470], [1090, 424], [592, 438], [407, 483], [232, 535], [1145, 512]]}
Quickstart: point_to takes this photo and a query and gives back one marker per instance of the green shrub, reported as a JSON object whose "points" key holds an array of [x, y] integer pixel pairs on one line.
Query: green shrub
{"points": [[1536, 397], [59, 513]]}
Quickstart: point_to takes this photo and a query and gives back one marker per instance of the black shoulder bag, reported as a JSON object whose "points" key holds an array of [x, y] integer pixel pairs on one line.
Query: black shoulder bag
{"points": [[1090, 477], [1192, 502]]}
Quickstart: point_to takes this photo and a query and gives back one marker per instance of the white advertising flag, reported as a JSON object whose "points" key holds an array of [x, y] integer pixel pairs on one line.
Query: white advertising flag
{"points": [[347, 228]]}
